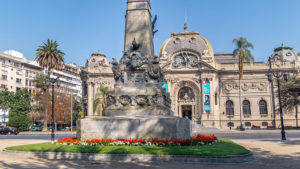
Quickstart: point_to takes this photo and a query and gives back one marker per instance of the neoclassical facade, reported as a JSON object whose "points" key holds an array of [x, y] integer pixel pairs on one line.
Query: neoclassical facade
{"points": [[204, 86]]}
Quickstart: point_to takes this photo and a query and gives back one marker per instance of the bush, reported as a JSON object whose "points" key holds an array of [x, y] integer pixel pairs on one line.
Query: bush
{"points": [[20, 122]]}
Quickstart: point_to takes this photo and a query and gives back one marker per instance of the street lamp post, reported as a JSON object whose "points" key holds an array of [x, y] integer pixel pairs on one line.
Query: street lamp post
{"points": [[71, 113], [272, 92], [52, 81], [278, 75]]}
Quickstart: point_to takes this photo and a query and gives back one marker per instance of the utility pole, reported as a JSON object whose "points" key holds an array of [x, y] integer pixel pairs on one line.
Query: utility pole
{"points": [[71, 113]]}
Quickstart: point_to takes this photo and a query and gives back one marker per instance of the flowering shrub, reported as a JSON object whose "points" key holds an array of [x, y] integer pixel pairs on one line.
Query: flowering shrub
{"points": [[193, 141]]}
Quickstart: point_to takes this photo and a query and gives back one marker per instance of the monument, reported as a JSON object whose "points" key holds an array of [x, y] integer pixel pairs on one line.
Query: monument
{"points": [[138, 106]]}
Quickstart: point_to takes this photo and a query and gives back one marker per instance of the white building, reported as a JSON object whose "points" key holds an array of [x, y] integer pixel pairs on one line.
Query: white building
{"points": [[16, 72]]}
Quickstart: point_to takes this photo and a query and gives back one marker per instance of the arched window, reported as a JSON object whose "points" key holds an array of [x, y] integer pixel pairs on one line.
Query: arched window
{"points": [[186, 93], [229, 108], [263, 107], [246, 107]]}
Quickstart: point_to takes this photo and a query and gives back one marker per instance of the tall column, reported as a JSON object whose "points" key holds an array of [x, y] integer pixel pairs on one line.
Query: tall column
{"points": [[139, 26], [90, 99]]}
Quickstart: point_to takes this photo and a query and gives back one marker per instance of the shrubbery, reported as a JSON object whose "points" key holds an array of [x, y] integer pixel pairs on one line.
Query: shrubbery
{"points": [[19, 106]]}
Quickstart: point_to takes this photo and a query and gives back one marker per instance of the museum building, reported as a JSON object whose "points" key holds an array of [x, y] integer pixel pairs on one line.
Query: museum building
{"points": [[204, 86]]}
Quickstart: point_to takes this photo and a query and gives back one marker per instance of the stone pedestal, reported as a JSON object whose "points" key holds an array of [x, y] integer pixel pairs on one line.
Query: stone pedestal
{"points": [[161, 127]]}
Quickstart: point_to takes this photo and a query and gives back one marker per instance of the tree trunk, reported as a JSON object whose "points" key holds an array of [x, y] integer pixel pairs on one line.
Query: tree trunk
{"points": [[45, 128], [296, 107]]}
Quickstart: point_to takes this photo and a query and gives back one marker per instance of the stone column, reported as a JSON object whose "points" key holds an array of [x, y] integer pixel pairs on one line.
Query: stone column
{"points": [[90, 99]]}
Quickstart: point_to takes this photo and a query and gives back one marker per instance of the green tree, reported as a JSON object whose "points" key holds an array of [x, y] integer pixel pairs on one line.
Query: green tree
{"points": [[21, 102], [6, 98], [39, 109], [242, 50], [100, 101], [77, 110], [50, 57], [21, 122], [290, 92], [19, 106]]}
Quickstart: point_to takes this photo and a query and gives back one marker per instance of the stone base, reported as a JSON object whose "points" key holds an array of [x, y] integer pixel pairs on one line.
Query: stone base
{"points": [[159, 110], [161, 127]]}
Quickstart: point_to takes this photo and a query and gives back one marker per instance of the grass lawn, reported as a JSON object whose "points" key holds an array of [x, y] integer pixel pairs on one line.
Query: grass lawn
{"points": [[223, 148]]}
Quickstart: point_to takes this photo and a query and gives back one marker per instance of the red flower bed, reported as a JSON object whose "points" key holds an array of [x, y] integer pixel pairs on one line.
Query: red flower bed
{"points": [[194, 140]]}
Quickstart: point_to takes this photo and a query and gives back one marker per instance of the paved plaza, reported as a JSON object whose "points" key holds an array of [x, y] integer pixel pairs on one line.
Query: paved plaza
{"points": [[270, 153]]}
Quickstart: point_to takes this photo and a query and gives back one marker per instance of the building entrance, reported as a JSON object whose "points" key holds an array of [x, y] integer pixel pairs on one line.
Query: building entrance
{"points": [[187, 111]]}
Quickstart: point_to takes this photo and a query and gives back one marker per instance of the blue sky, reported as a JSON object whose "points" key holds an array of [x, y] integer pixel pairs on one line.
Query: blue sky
{"points": [[85, 26]]}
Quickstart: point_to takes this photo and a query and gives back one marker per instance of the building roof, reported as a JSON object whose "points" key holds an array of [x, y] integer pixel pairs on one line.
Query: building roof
{"points": [[225, 58], [186, 40]]}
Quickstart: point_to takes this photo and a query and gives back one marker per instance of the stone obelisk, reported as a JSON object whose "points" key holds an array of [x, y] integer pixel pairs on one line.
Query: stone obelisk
{"points": [[138, 106], [139, 26], [138, 90]]}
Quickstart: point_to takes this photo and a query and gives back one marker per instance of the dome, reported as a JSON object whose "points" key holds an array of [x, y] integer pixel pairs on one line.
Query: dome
{"points": [[285, 53], [186, 40]]}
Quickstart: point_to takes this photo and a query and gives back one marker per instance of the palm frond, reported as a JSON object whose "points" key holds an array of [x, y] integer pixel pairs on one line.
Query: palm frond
{"points": [[49, 56], [95, 104], [243, 46]]}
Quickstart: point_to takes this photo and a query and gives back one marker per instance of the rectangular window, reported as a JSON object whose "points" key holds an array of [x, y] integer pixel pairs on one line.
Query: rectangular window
{"points": [[230, 124], [16, 64], [2, 61], [4, 77], [29, 83], [3, 86], [264, 123], [26, 74], [18, 80], [18, 88], [5, 68], [19, 72], [26, 82], [248, 124]]}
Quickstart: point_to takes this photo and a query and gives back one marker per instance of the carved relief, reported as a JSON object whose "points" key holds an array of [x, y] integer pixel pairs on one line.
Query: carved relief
{"points": [[261, 86], [111, 100], [228, 87], [186, 94], [141, 100], [245, 86], [185, 59], [125, 100], [205, 53]]}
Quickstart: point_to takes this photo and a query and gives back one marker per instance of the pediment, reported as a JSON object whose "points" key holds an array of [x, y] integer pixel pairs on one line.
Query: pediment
{"points": [[98, 63]]}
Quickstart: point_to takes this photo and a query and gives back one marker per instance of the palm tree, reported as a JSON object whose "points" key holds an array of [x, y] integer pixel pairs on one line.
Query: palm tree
{"points": [[242, 50], [100, 101], [49, 57]]}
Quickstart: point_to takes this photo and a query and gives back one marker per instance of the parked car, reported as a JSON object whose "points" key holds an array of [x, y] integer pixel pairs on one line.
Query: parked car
{"points": [[4, 130], [36, 128], [8, 130], [14, 131]]}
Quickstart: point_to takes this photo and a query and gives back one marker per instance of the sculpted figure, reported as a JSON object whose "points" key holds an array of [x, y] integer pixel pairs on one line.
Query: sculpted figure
{"points": [[116, 69], [154, 69]]}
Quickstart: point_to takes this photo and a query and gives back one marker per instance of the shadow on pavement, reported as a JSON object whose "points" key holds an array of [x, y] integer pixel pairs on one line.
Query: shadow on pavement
{"points": [[265, 160]]}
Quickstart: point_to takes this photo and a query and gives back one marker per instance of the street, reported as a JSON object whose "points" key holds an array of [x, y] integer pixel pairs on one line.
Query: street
{"points": [[230, 134], [269, 151]]}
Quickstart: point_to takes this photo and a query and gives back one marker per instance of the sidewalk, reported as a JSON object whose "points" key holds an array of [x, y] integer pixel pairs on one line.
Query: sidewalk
{"points": [[269, 155], [45, 133], [247, 131]]}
